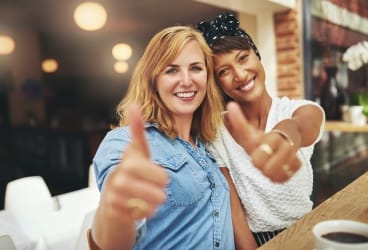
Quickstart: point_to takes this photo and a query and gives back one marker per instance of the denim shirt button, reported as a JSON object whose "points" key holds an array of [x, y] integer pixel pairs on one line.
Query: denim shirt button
{"points": [[217, 244], [216, 213], [213, 185]]}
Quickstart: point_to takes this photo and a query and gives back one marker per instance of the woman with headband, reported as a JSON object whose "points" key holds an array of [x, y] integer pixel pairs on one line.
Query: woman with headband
{"points": [[274, 178]]}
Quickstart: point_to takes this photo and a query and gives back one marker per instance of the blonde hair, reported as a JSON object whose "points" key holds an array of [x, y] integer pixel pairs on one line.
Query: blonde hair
{"points": [[162, 49]]}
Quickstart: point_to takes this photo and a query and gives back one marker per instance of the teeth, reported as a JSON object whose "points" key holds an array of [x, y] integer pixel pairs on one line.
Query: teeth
{"points": [[248, 86], [185, 94]]}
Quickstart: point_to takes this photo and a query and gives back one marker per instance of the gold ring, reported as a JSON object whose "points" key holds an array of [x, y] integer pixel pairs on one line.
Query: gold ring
{"points": [[266, 149], [138, 207], [287, 170]]}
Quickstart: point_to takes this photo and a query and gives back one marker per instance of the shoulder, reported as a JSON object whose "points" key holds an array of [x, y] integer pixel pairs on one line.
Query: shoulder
{"points": [[117, 133], [123, 133], [286, 101], [223, 138], [225, 148], [288, 106], [114, 144], [117, 140]]}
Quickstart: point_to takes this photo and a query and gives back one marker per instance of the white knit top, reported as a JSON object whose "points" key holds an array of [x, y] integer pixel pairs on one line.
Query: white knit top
{"points": [[269, 206]]}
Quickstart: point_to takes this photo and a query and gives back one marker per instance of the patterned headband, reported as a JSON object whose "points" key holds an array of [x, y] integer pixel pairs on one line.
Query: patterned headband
{"points": [[224, 25]]}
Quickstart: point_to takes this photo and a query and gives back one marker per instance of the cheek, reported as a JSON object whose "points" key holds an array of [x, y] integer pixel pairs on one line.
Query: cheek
{"points": [[259, 68], [225, 83], [261, 77], [163, 84], [201, 79]]}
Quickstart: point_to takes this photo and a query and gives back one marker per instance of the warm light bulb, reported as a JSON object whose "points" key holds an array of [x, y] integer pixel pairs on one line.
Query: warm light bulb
{"points": [[121, 67], [49, 65], [7, 45], [122, 51], [90, 16]]}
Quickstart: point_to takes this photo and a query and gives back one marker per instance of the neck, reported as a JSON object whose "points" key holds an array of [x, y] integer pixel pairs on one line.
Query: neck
{"points": [[257, 113], [183, 126]]}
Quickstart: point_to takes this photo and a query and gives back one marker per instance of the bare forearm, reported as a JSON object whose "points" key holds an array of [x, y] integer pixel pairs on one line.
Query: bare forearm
{"points": [[304, 127], [244, 239], [243, 236]]}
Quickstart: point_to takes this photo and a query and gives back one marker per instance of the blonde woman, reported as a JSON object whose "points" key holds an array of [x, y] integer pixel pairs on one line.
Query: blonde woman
{"points": [[160, 188]]}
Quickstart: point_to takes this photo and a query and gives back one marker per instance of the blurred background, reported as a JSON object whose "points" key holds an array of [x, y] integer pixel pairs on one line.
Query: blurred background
{"points": [[64, 65]]}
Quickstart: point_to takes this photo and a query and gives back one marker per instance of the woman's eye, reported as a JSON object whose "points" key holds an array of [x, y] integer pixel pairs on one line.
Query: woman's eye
{"points": [[197, 68], [242, 58], [222, 72], [171, 70]]}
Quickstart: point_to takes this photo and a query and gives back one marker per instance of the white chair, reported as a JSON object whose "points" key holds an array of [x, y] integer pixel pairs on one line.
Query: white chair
{"points": [[25, 191], [6, 243], [82, 242], [28, 199], [91, 177]]}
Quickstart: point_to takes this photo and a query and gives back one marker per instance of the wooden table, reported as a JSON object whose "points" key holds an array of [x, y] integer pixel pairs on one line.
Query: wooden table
{"points": [[349, 203]]}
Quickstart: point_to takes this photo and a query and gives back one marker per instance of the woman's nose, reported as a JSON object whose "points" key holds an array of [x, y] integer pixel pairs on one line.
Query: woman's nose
{"points": [[185, 78], [240, 74]]}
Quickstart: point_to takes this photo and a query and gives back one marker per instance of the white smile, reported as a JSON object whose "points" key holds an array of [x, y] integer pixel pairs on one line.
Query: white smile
{"points": [[248, 86], [185, 94]]}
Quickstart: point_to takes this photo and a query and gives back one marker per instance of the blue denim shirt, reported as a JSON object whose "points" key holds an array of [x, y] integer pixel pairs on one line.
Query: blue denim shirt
{"points": [[196, 214]]}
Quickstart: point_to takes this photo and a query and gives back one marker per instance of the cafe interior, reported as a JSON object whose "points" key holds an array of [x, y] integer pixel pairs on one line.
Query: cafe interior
{"points": [[64, 65]]}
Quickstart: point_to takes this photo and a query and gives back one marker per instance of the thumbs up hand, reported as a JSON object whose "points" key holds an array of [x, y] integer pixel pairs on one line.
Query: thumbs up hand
{"points": [[270, 152], [136, 187]]}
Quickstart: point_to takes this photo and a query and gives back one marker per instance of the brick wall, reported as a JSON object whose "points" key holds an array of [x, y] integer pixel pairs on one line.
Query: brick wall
{"points": [[341, 36], [334, 35], [357, 6], [288, 54], [288, 32]]}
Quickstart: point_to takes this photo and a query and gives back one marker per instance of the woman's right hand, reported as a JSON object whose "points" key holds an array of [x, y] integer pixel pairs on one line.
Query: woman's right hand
{"points": [[136, 177], [270, 152], [132, 191]]}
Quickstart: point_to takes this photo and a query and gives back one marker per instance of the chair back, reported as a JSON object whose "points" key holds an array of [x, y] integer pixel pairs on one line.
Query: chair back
{"points": [[6, 243], [82, 242], [25, 191], [91, 176]]}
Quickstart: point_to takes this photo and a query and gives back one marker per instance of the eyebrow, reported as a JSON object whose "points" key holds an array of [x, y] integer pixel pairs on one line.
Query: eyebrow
{"points": [[194, 63], [237, 54]]}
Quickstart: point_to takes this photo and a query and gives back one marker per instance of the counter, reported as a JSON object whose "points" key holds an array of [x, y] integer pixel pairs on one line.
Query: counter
{"points": [[342, 126]]}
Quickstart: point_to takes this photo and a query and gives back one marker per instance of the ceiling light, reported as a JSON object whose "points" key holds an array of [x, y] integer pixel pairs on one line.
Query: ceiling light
{"points": [[7, 45], [49, 65], [122, 51], [121, 67], [90, 16]]}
